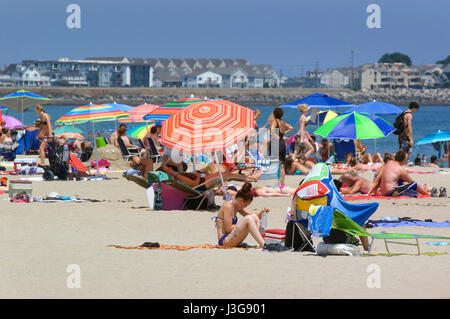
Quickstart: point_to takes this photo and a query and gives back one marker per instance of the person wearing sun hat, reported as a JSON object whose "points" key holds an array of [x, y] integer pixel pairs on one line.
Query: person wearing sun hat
{"points": [[302, 136]]}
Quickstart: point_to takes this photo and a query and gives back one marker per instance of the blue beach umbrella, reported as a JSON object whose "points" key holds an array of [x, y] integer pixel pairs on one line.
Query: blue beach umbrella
{"points": [[22, 100], [437, 139], [376, 107], [439, 136], [319, 100], [354, 126]]}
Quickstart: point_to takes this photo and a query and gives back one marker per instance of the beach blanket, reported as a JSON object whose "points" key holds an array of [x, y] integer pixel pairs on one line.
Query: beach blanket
{"points": [[158, 246], [432, 172], [407, 223], [360, 197]]}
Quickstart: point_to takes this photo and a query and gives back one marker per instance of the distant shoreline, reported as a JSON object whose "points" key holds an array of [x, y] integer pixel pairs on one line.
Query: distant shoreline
{"points": [[248, 97]]}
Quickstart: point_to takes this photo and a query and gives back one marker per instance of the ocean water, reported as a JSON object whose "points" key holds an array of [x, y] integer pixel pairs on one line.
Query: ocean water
{"points": [[426, 120]]}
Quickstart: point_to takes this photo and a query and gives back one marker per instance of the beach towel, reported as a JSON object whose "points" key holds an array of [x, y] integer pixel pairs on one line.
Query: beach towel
{"points": [[407, 223], [158, 246], [361, 197]]}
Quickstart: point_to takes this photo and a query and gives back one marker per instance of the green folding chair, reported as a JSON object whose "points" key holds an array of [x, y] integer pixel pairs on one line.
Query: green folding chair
{"points": [[344, 223]]}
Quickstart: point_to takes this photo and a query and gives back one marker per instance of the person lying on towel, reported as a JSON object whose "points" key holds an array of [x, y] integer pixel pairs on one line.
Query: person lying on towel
{"points": [[355, 184], [395, 181], [230, 231]]}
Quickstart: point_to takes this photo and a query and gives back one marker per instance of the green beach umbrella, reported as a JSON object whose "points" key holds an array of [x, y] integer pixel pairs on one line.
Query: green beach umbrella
{"points": [[354, 126]]}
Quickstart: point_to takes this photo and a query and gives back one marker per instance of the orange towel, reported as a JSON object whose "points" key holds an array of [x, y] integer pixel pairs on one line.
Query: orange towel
{"points": [[171, 247]]}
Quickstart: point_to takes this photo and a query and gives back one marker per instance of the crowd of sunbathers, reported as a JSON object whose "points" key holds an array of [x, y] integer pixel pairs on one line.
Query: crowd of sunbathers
{"points": [[11, 140]]}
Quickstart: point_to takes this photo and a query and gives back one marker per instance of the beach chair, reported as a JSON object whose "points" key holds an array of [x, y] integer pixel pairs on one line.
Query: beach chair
{"points": [[127, 152], [344, 223], [78, 167], [28, 143], [342, 147], [152, 151], [270, 167], [193, 193]]}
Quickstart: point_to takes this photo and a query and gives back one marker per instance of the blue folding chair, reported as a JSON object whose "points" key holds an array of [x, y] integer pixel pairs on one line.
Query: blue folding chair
{"points": [[342, 147]]}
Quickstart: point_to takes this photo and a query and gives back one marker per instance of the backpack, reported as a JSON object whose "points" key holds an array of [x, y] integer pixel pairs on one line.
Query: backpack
{"points": [[295, 239], [399, 123]]}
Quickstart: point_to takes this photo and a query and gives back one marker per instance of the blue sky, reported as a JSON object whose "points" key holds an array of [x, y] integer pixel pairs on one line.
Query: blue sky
{"points": [[284, 33]]}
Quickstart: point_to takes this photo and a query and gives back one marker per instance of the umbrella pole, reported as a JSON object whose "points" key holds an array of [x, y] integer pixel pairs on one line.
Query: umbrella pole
{"points": [[225, 194], [95, 144], [21, 102]]}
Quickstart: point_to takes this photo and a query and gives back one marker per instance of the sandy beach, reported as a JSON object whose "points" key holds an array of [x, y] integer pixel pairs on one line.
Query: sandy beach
{"points": [[40, 240]]}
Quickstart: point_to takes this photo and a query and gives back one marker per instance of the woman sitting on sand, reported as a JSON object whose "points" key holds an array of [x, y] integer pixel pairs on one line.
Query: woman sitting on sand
{"points": [[230, 232]]}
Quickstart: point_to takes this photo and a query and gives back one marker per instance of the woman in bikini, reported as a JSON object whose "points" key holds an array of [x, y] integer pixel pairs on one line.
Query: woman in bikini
{"points": [[302, 136], [45, 131], [262, 191], [230, 231], [364, 157], [283, 129]]}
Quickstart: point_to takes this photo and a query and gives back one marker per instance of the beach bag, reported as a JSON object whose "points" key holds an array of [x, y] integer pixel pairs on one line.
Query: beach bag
{"points": [[338, 236], [294, 238]]}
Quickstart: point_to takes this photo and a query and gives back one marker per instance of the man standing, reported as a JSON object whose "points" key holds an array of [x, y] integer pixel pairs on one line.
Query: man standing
{"points": [[405, 138]]}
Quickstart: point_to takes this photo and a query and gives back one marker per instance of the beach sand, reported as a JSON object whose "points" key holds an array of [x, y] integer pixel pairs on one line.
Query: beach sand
{"points": [[40, 240]]}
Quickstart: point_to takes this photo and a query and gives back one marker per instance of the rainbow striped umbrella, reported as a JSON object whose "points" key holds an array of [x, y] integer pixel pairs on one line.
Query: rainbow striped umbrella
{"points": [[207, 126], [139, 131], [92, 113], [137, 113], [68, 131], [169, 109]]}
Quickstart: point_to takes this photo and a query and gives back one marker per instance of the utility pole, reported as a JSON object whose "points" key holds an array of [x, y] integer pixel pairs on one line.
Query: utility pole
{"points": [[316, 71], [352, 80]]}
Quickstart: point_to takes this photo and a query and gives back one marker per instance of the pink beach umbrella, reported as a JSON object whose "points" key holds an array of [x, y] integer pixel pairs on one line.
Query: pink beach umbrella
{"points": [[11, 122]]}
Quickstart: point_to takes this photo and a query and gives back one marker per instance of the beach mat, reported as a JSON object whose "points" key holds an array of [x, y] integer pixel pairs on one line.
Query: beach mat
{"points": [[360, 197], [177, 247]]}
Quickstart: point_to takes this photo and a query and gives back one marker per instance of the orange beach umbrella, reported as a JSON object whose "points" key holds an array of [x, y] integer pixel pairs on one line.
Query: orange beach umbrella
{"points": [[207, 126]]}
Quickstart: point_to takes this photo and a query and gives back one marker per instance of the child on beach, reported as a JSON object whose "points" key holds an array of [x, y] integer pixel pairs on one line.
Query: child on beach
{"points": [[230, 231]]}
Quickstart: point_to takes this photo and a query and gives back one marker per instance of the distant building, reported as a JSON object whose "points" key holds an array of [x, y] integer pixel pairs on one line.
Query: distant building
{"points": [[141, 72], [334, 79], [390, 75], [23, 75], [433, 75]]}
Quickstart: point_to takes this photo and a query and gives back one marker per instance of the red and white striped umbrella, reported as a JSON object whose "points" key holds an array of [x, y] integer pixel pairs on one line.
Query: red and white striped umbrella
{"points": [[207, 126], [137, 113]]}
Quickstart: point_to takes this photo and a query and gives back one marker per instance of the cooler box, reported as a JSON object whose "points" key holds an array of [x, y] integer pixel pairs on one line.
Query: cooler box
{"points": [[274, 236], [24, 159], [16, 187]]}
